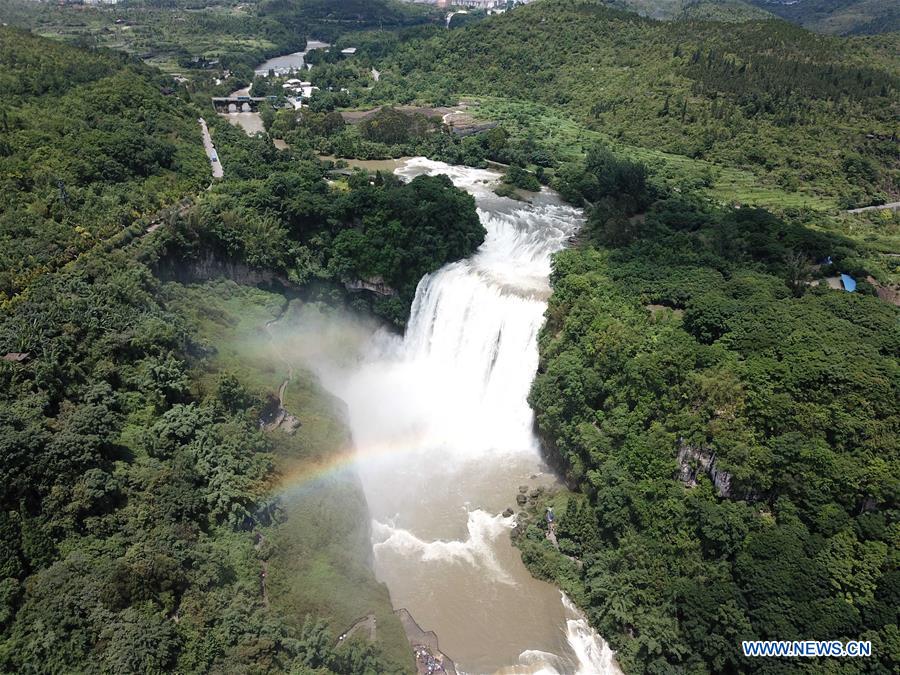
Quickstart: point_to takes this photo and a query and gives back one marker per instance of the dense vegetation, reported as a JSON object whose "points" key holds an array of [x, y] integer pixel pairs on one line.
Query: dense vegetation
{"points": [[279, 214], [207, 42], [393, 133], [729, 427], [841, 17], [328, 20], [838, 17], [802, 111], [133, 494], [173, 35], [88, 144], [718, 10], [138, 506], [732, 430]]}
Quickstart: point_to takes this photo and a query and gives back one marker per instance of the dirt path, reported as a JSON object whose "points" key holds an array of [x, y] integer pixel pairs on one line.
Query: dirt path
{"points": [[168, 214], [365, 625], [282, 418]]}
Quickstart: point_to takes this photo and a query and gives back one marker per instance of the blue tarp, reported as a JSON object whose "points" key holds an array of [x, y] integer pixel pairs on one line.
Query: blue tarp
{"points": [[848, 282]]}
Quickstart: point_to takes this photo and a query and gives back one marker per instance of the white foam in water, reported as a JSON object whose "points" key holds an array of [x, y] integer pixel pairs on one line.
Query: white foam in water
{"points": [[595, 656], [476, 550], [452, 395]]}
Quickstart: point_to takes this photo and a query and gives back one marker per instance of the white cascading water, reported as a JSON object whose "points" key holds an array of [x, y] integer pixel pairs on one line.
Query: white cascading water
{"points": [[445, 436]]}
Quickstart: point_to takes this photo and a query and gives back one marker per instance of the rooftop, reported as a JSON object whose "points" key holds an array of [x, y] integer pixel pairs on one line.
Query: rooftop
{"points": [[848, 282]]}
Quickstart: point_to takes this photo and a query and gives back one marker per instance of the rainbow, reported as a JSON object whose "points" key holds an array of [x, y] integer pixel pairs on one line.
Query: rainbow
{"points": [[307, 474]]}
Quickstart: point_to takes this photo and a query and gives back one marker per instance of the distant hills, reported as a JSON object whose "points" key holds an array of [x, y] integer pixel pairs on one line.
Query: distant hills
{"points": [[716, 10], [799, 109], [838, 17]]}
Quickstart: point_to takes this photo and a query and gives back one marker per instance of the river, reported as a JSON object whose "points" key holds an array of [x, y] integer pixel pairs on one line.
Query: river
{"points": [[286, 63], [251, 122], [444, 438]]}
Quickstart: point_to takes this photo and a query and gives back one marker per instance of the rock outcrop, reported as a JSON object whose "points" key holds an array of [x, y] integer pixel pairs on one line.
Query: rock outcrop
{"points": [[212, 266], [693, 461], [374, 285]]}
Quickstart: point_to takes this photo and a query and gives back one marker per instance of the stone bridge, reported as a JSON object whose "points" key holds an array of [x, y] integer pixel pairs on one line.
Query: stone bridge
{"points": [[233, 104]]}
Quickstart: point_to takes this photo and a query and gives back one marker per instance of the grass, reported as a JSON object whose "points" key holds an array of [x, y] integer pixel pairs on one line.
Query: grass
{"points": [[879, 233], [319, 559], [568, 140]]}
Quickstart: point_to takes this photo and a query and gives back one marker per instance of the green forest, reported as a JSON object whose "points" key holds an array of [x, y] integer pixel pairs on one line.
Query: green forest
{"points": [[729, 426], [139, 503], [840, 17], [178, 36], [172, 36], [836, 17], [725, 424], [280, 215], [89, 144]]}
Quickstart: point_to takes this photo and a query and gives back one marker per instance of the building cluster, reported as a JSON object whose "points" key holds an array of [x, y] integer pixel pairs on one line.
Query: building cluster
{"points": [[474, 4], [296, 91]]}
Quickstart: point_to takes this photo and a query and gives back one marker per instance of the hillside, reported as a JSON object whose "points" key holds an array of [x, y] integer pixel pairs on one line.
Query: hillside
{"points": [[803, 111], [840, 17], [170, 37], [327, 19], [725, 421], [177, 37], [145, 518], [90, 143], [837, 17], [721, 10], [718, 10]]}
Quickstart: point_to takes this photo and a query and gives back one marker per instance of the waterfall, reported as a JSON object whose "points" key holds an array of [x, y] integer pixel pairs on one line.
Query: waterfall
{"points": [[445, 435]]}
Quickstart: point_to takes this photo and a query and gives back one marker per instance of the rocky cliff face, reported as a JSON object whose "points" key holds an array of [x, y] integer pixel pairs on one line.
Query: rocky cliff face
{"points": [[212, 266], [375, 285], [889, 294], [693, 461]]}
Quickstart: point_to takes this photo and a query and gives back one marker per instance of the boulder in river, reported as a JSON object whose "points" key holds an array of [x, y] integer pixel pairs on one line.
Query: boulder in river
{"points": [[521, 499], [507, 513], [523, 489]]}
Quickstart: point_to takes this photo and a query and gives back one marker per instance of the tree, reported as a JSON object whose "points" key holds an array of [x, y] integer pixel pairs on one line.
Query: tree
{"points": [[798, 270]]}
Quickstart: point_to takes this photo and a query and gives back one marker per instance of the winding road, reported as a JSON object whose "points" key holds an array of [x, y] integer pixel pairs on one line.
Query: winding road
{"points": [[881, 207], [214, 161]]}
